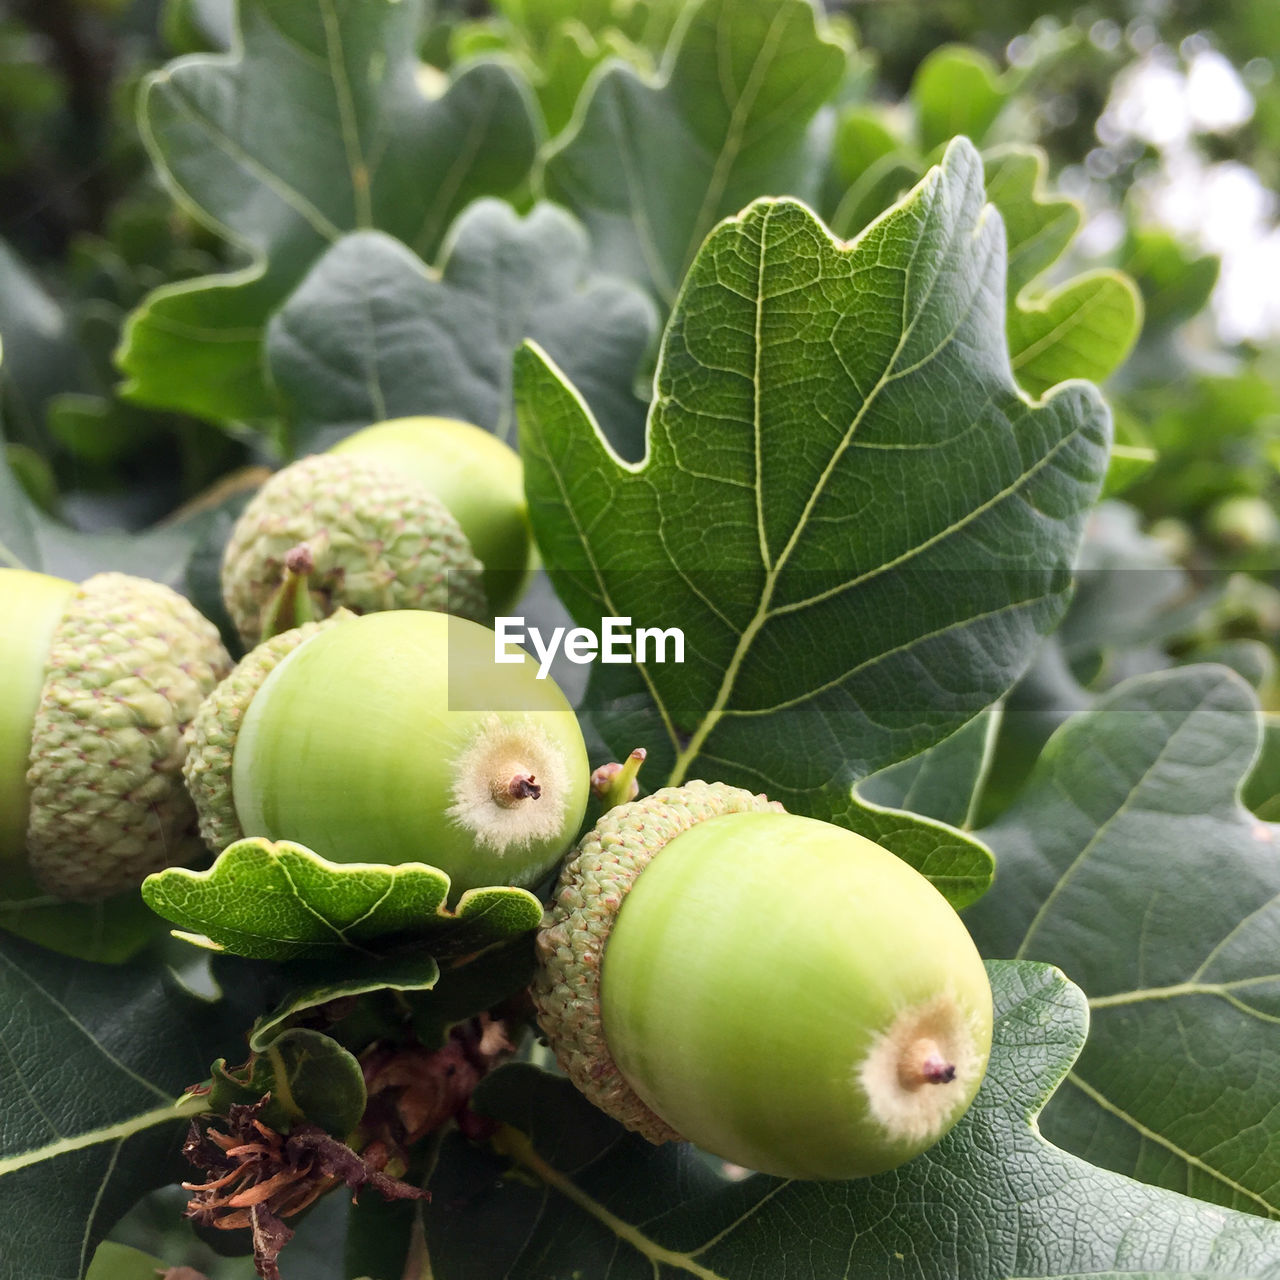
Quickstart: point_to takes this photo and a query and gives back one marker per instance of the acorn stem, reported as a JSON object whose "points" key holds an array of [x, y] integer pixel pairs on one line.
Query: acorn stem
{"points": [[523, 787], [291, 606], [509, 788], [924, 1062], [936, 1070], [617, 784]]}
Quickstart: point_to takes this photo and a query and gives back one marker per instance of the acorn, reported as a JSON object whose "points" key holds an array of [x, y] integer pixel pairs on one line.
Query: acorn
{"points": [[97, 685], [415, 513], [1244, 522], [389, 738], [478, 477], [784, 993]]}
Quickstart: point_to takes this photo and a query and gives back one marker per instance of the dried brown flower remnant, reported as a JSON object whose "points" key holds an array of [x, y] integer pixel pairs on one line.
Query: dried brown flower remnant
{"points": [[413, 1091], [260, 1176]]}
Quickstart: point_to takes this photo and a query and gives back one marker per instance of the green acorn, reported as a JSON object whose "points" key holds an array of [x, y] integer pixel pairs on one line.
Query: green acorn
{"points": [[478, 477], [211, 736], [417, 513], [785, 993], [97, 685], [393, 738], [1244, 522]]}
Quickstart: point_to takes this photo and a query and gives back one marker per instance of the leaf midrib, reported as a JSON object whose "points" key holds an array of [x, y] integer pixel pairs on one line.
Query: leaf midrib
{"points": [[773, 572], [285, 192], [1178, 990], [569, 508], [134, 1124], [520, 1147], [1098, 296], [735, 133], [357, 167]]}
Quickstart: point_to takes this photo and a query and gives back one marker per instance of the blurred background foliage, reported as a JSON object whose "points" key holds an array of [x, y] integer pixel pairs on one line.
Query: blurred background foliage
{"points": [[1161, 117]]}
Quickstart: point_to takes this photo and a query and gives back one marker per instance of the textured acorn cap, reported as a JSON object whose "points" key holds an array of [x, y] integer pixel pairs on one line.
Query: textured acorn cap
{"points": [[594, 882], [378, 540], [211, 735], [129, 663]]}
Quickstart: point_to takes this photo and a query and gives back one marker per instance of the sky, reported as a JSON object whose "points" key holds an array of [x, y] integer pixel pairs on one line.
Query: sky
{"points": [[1220, 206]]}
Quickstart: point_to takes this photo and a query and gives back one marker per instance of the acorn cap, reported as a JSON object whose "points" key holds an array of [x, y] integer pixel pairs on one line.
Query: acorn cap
{"points": [[594, 882], [377, 539], [129, 663], [211, 735]]}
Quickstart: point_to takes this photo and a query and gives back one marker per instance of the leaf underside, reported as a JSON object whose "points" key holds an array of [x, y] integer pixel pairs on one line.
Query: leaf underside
{"points": [[1130, 862], [281, 901], [372, 333], [314, 126]]}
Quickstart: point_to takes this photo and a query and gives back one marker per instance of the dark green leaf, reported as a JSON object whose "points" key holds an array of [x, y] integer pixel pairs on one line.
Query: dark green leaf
{"points": [[282, 902], [959, 865], [160, 553], [1175, 281], [342, 981], [467, 989], [314, 126], [34, 475], [308, 1075], [40, 354], [372, 333], [943, 782], [19, 543], [1131, 599], [402, 996], [1131, 863], [1129, 591], [95, 1059], [380, 1236], [893, 521], [107, 932], [194, 26], [577, 1194], [29, 539], [651, 168]]}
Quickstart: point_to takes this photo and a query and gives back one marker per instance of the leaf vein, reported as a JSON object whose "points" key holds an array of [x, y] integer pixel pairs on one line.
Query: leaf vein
{"points": [[79, 1026], [1192, 1161], [1093, 841], [287, 194], [357, 167]]}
